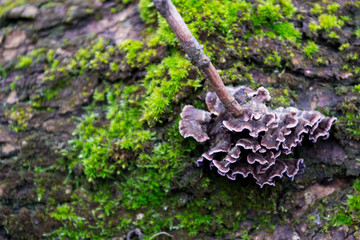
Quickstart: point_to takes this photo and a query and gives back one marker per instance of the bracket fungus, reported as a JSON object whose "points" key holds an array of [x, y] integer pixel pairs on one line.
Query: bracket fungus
{"points": [[255, 143]]}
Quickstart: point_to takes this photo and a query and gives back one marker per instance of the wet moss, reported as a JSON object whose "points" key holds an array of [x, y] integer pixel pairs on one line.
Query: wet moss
{"points": [[311, 48], [328, 21], [162, 91], [350, 122], [135, 53], [334, 211], [19, 114], [23, 62], [122, 130]]}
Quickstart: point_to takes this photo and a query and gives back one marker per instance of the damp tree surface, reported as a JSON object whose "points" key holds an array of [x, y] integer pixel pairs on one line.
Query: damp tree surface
{"points": [[93, 95]]}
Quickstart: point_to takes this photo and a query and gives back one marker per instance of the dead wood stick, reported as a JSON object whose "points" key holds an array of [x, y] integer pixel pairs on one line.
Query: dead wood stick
{"points": [[196, 54]]}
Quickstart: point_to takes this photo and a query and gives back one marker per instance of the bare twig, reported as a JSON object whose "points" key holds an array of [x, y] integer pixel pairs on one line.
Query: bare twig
{"points": [[161, 233], [196, 54]]}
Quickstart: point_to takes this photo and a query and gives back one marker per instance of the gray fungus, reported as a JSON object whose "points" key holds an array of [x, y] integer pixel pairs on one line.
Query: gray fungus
{"points": [[256, 143]]}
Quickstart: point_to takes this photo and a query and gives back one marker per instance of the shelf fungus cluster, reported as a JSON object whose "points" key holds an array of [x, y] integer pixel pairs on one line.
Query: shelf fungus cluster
{"points": [[255, 143]]}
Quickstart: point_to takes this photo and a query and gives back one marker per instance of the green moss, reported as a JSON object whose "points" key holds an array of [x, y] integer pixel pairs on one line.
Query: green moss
{"points": [[333, 34], [310, 49], [320, 60], [344, 46], [220, 17], [270, 11], [288, 8], [12, 86], [144, 187], [357, 33], [147, 11], [351, 214], [87, 58], [95, 141], [134, 56], [161, 91], [352, 124], [328, 21], [273, 15], [346, 19], [131, 47], [23, 62], [267, 11], [19, 115], [209, 17], [287, 31], [333, 7], [3, 72], [273, 59], [357, 88], [281, 97], [51, 4], [114, 66], [314, 27], [317, 9], [352, 56], [354, 200], [67, 216]]}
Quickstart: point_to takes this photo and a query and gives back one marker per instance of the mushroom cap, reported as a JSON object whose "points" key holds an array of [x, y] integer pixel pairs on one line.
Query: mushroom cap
{"points": [[193, 123]]}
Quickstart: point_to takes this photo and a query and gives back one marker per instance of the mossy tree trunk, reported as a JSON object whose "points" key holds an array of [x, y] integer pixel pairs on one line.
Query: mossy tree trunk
{"points": [[91, 94]]}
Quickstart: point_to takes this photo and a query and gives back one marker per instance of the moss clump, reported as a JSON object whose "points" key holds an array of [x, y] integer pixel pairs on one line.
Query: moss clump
{"points": [[344, 46], [23, 62], [136, 55], [357, 33], [310, 49], [328, 21], [313, 26], [35, 55], [350, 215], [145, 186], [357, 88], [333, 7], [270, 11], [210, 18], [353, 124], [334, 35], [273, 15], [273, 59], [96, 55], [163, 91], [202, 17], [147, 11], [96, 143], [287, 31], [349, 123], [281, 98], [267, 11], [317, 9], [19, 114]]}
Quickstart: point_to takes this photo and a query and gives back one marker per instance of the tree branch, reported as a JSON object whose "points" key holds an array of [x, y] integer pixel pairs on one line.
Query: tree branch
{"points": [[196, 54]]}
